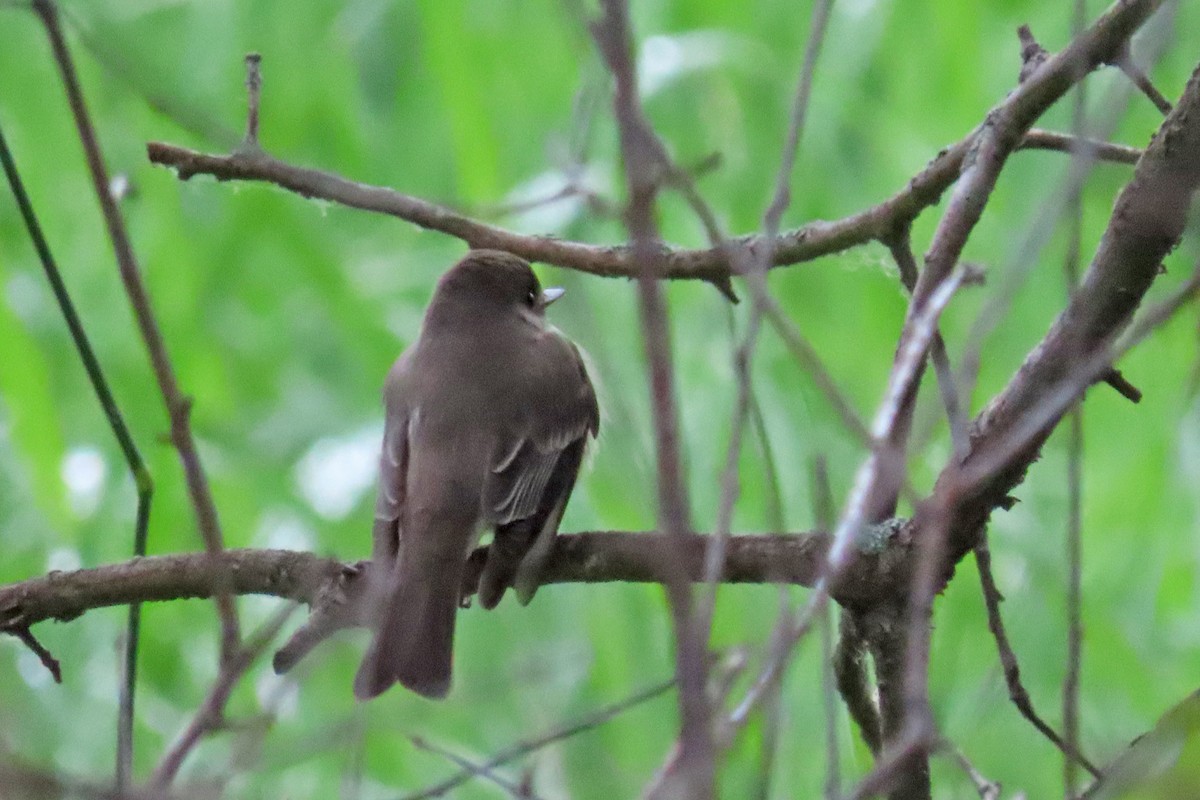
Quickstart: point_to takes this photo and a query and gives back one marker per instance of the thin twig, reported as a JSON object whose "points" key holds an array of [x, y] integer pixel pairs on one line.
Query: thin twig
{"points": [[527, 746], [52, 665], [988, 790], [1124, 62], [212, 711], [782, 198], [178, 405], [476, 770], [1038, 139], [116, 422], [1008, 658], [756, 269], [810, 361], [253, 99], [829, 695]]}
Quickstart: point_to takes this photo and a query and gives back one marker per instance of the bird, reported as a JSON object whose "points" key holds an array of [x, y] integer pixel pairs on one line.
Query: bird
{"points": [[487, 417]]}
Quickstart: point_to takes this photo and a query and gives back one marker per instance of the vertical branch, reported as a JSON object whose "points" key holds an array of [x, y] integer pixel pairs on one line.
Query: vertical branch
{"points": [[830, 676], [253, 99], [829, 695], [1070, 689], [755, 273], [178, 405], [644, 168], [133, 458], [904, 769], [853, 682]]}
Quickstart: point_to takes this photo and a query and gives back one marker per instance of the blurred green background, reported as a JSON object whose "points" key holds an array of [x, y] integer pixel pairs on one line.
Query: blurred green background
{"points": [[282, 315]]}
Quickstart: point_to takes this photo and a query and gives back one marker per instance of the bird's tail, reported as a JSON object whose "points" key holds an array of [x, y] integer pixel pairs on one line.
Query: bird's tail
{"points": [[415, 639]]}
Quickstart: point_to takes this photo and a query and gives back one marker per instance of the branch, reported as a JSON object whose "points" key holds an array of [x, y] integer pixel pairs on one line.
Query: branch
{"points": [[1008, 659], [1147, 222], [595, 557], [645, 162], [211, 713], [524, 748], [1005, 127], [1038, 139], [796, 246], [996, 140], [178, 405]]}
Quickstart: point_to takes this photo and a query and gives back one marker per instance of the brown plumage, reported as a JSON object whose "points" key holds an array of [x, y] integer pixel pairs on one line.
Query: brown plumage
{"points": [[487, 417]]}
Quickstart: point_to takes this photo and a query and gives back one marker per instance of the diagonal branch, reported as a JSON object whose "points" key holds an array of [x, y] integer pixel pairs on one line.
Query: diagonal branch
{"points": [[1008, 658], [1147, 222]]}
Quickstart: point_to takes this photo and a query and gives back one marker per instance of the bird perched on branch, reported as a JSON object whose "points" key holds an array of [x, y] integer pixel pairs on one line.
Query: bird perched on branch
{"points": [[487, 417]]}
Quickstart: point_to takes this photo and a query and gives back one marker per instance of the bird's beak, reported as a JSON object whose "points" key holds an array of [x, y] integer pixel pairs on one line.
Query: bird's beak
{"points": [[552, 294]]}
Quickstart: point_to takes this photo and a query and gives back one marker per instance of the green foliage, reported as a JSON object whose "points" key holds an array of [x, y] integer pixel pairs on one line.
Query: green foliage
{"points": [[282, 316]]}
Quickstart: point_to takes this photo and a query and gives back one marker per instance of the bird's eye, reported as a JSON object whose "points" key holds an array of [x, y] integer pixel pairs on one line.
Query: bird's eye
{"points": [[531, 298]]}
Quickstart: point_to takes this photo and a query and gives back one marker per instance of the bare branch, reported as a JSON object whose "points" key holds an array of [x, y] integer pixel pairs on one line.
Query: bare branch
{"points": [[646, 164], [850, 668], [178, 405], [210, 716], [528, 746], [1038, 139], [1008, 658], [253, 100], [596, 557], [796, 246], [468, 766], [1148, 219]]}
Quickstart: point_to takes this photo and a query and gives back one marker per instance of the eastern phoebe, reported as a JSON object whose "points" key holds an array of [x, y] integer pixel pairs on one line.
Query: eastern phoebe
{"points": [[487, 417]]}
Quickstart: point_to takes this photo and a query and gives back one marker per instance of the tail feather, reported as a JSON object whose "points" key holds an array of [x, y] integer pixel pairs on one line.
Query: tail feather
{"points": [[415, 640]]}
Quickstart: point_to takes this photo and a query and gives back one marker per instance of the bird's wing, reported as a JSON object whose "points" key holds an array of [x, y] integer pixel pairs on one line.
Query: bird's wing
{"points": [[393, 469], [561, 411], [533, 474]]}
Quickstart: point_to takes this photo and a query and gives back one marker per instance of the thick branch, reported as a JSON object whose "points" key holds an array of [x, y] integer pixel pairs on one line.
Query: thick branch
{"points": [[1146, 224], [601, 557]]}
